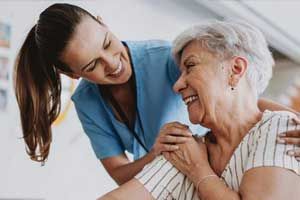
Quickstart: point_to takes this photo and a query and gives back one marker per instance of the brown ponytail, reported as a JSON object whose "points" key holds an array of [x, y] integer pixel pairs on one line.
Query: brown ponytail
{"points": [[38, 88], [37, 81]]}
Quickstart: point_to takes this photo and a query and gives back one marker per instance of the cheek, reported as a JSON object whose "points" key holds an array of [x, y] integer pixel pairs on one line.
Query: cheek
{"points": [[196, 81], [205, 80], [204, 87], [95, 76], [117, 44]]}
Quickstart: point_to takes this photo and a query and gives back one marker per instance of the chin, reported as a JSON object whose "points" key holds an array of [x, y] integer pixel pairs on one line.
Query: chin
{"points": [[124, 78], [195, 114], [127, 75], [196, 117], [193, 119]]}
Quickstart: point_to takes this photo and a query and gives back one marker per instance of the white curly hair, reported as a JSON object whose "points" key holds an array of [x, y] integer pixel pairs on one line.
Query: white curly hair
{"points": [[227, 39]]}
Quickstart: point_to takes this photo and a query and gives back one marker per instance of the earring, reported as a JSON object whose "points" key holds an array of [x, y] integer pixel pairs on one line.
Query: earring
{"points": [[232, 86]]}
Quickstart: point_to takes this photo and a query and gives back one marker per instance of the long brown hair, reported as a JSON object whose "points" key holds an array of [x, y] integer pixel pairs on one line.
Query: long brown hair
{"points": [[36, 77]]}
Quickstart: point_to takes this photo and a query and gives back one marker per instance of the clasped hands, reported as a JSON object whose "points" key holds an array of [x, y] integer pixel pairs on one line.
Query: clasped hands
{"points": [[187, 153]]}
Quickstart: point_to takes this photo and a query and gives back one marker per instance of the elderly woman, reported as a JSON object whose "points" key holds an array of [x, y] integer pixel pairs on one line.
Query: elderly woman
{"points": [[230, 65]]}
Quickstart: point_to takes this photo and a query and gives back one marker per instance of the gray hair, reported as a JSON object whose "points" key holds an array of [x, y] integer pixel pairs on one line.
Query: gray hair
{"points": [[227, 39]]}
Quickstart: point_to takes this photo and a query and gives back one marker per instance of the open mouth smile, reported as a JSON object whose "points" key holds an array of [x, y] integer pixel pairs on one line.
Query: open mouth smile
{"points": [[188, 100]]}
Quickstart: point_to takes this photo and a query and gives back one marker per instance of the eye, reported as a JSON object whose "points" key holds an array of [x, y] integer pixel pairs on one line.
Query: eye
{"points": [[190, 65], [92, 68]]}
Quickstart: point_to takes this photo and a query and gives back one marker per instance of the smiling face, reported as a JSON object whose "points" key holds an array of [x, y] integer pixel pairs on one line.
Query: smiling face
{"points": [[202, 84], [95, 54]]}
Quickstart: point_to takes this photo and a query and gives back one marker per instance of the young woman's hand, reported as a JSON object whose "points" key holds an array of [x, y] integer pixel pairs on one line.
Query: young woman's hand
{"points": [[170, 136], [292, 137]]}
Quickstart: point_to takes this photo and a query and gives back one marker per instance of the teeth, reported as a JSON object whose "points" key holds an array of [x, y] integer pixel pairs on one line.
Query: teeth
{"points": [[190, 99], [118, 70]]}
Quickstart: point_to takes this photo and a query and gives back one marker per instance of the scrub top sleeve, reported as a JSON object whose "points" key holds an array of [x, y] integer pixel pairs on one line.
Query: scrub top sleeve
{"points": [[173, 69], [104, 144]]}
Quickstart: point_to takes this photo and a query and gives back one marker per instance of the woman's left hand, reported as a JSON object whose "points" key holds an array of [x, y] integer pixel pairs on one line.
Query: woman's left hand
{"points": [[191, 158], [291, 137]]}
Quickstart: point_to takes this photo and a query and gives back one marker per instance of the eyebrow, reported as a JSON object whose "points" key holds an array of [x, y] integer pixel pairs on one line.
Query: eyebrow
{"points": [[87, 65]]}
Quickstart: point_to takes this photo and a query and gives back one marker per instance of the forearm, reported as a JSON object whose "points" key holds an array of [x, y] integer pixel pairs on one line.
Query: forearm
{"points": [[266, 104], [126, 172], [169, 137], [215, 189], [212, 187]]}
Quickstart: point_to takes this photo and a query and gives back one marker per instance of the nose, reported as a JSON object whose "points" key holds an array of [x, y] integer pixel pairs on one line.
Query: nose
{"points": [[109, 61], [180, 84]]}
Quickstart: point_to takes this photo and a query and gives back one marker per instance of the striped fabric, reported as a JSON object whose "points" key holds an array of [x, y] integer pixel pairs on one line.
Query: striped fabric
{"points": [[258, 148]]}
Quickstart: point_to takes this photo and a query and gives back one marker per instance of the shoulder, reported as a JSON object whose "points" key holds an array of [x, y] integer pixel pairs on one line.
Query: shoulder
{"points": [[276, 121], [84, 90], [151, 55], [270, 126], [264, 148], [148, 46]]}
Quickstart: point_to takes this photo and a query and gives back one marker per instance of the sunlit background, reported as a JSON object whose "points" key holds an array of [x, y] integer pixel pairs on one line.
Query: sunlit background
{"points": [[72, 171]]}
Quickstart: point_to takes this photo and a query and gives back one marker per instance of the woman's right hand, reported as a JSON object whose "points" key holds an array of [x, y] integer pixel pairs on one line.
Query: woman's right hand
{"points": [[169, 136]]}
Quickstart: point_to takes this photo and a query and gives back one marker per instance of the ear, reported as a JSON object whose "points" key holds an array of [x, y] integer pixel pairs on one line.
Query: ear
{"points": [[238, 68]]}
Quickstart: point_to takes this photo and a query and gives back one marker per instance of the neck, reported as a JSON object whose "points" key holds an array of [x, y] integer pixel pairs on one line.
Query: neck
{"points": [[120, 88], [125, 98], [229, 128]]}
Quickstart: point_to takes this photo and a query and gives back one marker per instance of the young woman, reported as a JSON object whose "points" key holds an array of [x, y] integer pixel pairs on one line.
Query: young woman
{"points": [[125, 95]]}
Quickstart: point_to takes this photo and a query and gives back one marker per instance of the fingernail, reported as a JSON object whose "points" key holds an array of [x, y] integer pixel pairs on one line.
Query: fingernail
{"points": [[176, 147], [291, 153], [280, 140], [282, 135]]}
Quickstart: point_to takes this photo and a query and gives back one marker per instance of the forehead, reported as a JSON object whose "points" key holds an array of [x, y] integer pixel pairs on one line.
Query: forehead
{"points": [[194, 48], [85, 41]]}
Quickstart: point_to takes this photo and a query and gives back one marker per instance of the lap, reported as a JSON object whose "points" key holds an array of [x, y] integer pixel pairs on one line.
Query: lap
{"points": [[132, 190]]}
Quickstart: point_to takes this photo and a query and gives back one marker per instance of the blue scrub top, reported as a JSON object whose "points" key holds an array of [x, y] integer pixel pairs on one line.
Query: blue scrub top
{"points": [[157, 103]]}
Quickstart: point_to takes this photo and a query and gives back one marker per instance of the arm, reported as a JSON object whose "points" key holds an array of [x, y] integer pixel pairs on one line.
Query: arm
{"points": [[264, 104], [192, 160], [109, 150], [268, 183], [122, 170], [265, 182]]}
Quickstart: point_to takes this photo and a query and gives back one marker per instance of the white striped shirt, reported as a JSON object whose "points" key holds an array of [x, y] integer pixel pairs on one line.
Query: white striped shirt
{"points": [[257, 149]]}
